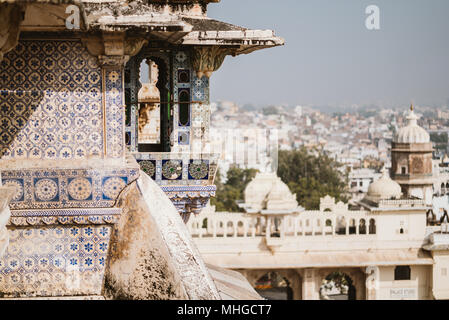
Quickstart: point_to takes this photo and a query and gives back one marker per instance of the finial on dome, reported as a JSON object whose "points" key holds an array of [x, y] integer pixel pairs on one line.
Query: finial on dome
{"points": [[411, 107]]}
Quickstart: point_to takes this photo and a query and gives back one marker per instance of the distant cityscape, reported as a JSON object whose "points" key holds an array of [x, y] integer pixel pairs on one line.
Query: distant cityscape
{"points": [[356, 137]]}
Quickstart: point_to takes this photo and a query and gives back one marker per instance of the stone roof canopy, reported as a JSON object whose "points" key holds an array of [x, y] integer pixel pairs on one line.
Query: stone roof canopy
{"points": [[176, 22]]}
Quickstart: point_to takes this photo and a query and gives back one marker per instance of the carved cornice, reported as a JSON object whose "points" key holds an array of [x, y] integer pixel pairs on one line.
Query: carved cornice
{"points": [[113, 49], [206, 60], [64, 217], [11, 16]]}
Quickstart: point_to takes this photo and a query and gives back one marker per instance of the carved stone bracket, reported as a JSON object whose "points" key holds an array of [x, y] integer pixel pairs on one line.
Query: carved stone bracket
{"points": [[113, 49], [206, 60], [11, 16]]}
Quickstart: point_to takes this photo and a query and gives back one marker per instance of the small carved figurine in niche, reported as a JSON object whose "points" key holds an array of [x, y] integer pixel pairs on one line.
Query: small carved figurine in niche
{"points": [[149, 124]]}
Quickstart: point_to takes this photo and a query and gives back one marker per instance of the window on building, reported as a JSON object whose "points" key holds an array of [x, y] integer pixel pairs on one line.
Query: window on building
{"points": [[372, 226], [403, 170], [402, 273], [147, 113], [184, 107], [352, 227], [341, 226], [362, 226], [149, 127], [354, 184]]}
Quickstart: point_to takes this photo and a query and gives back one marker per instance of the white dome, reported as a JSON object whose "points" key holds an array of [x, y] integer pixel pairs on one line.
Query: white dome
{"points": [[412, 133], [279, 190], [268, 191], [256, 191], [385, 188]]}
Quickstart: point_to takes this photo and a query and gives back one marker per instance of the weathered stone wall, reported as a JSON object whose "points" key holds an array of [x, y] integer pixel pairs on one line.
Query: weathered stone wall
{"points": [[152, 255], [139, 264]]}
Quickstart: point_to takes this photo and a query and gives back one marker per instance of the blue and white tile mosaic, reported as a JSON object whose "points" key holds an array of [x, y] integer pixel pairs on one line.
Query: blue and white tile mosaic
{"points": [[67, 188], [115, 113], [178, 169], [55, 261], [51, 102]]}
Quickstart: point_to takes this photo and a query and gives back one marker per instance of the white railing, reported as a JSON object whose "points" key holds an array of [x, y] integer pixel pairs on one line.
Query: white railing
{"points": [[401, 203], [305, 224]]}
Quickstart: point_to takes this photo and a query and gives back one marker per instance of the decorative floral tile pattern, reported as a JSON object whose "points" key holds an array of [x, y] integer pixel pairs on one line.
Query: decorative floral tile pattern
{"points": [[115, 113], [149, 167], [199, 169], [51, 102], [55, 261], [179, 168], [67, 188]]}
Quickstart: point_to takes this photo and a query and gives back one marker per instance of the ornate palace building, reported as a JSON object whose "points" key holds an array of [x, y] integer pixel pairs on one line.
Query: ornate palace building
{"points": [[98, 163], [393, 247]]}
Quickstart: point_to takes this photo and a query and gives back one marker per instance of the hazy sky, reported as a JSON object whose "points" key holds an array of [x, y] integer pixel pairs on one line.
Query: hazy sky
{"points": [[331, 58]]}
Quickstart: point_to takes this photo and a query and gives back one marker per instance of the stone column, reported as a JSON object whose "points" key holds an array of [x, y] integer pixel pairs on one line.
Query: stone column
{"points": [[282, 226], [113, 50], [214, 226], [309, 286], [296, 285], [360, 284], [268, 227], [372, 282]]}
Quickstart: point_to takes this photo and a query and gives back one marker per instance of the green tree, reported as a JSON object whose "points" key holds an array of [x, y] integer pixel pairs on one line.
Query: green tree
{"points": [[270, 110], [439, 137], [232, 190], [440, 140], [311, 176]]}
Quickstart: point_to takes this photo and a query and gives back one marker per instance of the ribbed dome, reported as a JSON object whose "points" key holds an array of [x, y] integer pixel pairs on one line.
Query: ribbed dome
{"points": [[412, 133], [268, 191], [279, 190], [384, 188]]}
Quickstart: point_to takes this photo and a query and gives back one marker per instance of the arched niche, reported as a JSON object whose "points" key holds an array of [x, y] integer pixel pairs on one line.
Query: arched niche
{"points": [[148, 97]]}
